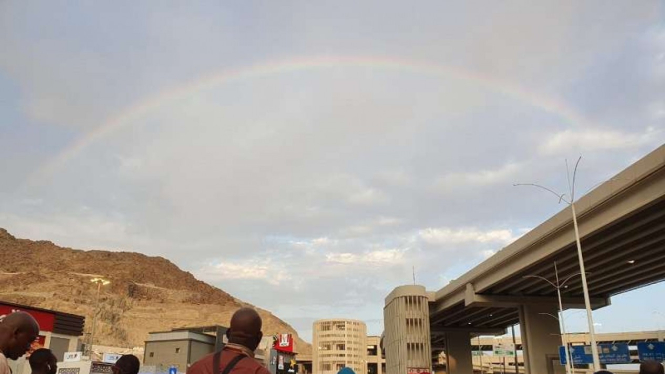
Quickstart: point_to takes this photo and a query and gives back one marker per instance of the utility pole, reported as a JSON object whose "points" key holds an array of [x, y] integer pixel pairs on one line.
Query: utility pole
{"points": [[517, 366], [100, 282], [562, 325], [580, 257]]}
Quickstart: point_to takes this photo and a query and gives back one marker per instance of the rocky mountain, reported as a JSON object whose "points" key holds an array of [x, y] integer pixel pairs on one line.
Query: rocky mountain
{"points": [[145, 294]]}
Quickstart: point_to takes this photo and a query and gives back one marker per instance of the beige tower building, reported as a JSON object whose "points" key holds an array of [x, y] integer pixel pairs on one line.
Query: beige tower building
{"points": [[407, 334], [339, 343], [376, 362]]}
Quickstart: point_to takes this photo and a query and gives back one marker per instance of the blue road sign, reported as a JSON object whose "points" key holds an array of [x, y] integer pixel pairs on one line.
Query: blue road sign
{"points": [[581, 354], [651, 351], [173, 370], [614, 354], [607, 353]]}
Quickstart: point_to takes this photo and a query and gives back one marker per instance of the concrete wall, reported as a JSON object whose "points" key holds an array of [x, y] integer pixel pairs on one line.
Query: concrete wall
{"points": [[199, 350], [59, 346], [163, 354], [539, 338]]}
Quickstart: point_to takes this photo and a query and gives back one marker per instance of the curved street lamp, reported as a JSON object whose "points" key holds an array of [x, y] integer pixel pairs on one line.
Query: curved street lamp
{"points": [[580, 257], [100, 282], [559, 285]]}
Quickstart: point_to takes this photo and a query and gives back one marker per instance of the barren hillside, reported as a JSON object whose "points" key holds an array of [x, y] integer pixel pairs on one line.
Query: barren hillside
{"points": [[146, 293]]}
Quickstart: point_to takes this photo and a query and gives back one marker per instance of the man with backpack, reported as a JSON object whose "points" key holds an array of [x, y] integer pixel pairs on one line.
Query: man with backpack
{"points": [[237, 357]]}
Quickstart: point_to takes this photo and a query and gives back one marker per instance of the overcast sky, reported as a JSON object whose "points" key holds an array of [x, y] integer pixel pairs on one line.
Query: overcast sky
{"points": [[306, 156]]}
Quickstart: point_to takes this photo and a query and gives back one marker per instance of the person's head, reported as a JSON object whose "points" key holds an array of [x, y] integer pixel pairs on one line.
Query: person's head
{"points": [[17, 332], [245, 328], [43, 361], [652, 367], [603, 372], [127, 364]]}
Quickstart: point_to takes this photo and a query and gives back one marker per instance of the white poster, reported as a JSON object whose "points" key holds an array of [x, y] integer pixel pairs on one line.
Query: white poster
{"points": [[73, 356], [111, 358], [284, 340]]}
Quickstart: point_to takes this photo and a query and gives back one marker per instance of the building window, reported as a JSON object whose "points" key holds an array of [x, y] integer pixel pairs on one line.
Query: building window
{"points": [[152, 354], [177, 350]]}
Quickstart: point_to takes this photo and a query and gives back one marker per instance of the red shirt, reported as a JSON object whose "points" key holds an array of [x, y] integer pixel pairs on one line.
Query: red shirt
{"points": [[247, 365]]}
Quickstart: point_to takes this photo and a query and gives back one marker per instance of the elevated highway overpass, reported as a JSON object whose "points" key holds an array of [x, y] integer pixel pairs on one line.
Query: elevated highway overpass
{"points": [[622, 230]]}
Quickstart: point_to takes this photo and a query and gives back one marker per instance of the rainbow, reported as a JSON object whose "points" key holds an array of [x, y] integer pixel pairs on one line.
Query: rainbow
{"points": [[142, 107]]}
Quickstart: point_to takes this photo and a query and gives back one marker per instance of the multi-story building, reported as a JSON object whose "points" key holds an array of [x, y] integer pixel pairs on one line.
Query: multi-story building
{"points": [[339, 343], [407, 332], [376, 360], [180, 348]]}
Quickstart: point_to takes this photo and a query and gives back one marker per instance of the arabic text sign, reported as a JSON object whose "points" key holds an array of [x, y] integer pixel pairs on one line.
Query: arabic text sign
{"points": [[651, 351], [607, 353]]}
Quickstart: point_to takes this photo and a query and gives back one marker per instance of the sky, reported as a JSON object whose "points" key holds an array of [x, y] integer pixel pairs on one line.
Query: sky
{"points": [[308, 157]]}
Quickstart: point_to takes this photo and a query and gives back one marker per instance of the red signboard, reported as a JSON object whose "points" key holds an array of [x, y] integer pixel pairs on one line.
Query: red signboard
{"points": [[418, 371], [45, 320], [283, 343]]}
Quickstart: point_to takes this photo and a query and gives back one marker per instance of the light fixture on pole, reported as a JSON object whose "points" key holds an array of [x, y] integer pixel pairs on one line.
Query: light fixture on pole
{"points": [[580, 257], [512, 327], [480, 354], [558, 286], [660, 327], [100, 282]]}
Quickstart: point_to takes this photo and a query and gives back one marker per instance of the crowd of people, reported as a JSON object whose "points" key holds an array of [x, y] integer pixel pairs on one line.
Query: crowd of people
{"points": [[19, 330]]}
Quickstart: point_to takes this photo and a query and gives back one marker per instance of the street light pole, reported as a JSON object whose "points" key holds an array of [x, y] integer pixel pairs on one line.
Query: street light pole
{"points": [[564, 337], [100, 282], [562, 325], [580, 257], [660, 327], [480, 355], [515, 350]]}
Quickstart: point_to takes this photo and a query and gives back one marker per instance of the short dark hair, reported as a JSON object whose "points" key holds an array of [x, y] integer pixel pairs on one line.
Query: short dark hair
{"points": [[129, 364], [40, 357], [652, 367]]}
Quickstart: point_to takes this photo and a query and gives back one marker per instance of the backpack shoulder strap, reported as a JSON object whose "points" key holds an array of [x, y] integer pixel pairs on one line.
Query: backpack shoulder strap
{"points": [[215, 362], [233, 363]]}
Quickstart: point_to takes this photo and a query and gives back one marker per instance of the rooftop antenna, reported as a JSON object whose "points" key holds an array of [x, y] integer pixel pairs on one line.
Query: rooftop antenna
{"points": [[414, 275]]}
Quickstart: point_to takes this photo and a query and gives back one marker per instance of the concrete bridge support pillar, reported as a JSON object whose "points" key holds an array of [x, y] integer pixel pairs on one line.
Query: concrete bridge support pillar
{"points": [[540, 341], [458, 352]]}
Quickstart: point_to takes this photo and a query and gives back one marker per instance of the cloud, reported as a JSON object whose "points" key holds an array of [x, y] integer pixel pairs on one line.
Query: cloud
{"points": [[368, 196], [480, 178], [375, 257], [252, 269], [590, 140], [456, 236], [487, 253]]}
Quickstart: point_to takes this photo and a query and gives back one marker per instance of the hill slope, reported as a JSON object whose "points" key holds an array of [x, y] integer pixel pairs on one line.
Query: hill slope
{"points": [[146, 293]]}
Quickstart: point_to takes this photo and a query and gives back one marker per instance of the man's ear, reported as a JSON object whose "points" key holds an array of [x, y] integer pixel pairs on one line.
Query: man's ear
{"points": [[260, 336]]}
